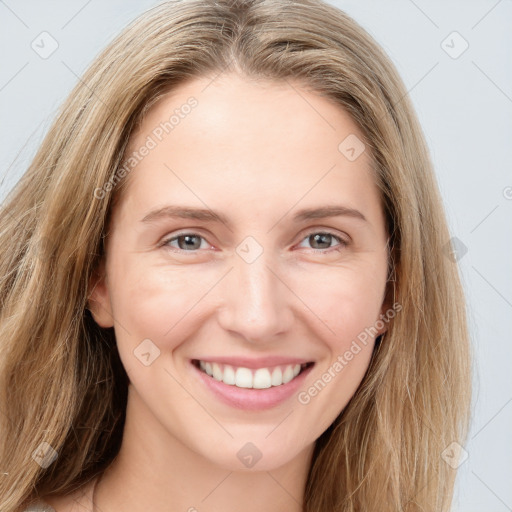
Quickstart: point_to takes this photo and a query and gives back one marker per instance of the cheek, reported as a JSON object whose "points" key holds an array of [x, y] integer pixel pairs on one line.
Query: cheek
{"points": [[160, 302], [346, 299], [349, 304], [155, 303], [335, 383]]}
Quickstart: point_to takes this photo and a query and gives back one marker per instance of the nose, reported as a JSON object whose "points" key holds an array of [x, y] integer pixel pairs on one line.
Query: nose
{"points": [[257, 303]]}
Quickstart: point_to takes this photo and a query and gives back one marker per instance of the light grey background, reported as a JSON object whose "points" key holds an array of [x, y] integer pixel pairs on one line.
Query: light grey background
{"points": [[464, 105]]}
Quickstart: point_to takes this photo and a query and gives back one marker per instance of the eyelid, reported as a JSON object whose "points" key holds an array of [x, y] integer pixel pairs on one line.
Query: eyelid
{"points": [[328, 231], [167, 239], [342, 241]]}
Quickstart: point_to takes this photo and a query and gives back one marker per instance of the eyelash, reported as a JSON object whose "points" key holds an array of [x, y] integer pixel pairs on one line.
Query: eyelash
{"points": [[341, 242]]}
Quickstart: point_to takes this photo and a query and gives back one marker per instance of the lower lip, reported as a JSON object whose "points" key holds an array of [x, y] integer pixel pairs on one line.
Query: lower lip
{"points": [[251, 399]]}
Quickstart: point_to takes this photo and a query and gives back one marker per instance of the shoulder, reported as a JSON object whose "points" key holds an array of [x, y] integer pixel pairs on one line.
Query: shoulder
{"points": [[78, 500], [58, 504], [39, 506]]}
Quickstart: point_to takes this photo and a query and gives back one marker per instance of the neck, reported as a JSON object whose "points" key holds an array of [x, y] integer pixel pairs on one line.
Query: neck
{"points": [[155, 471]]}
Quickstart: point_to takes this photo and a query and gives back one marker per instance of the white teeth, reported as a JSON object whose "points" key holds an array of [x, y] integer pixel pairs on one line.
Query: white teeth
{"points": [[277, 376], [229, 375], [243, 378], [288, 374], [217, 372], [262, 378]]}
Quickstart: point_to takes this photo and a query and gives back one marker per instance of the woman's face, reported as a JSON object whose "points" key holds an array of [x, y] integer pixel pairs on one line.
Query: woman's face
{"points": [[250, 238]]}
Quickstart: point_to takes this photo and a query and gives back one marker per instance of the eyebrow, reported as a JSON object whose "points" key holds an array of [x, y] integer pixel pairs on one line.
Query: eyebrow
{"points": [[207, 215], [185, 212], [328, 211]]}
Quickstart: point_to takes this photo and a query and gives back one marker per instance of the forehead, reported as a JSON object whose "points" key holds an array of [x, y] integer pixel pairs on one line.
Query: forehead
{"points": [[232, 138]]}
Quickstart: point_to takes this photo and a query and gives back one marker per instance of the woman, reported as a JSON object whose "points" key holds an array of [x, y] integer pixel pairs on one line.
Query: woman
{"points": [[224, 281]]}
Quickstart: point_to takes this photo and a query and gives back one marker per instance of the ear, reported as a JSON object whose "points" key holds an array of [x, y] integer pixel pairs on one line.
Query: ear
{"points": [[98, 301], [387, 306]]}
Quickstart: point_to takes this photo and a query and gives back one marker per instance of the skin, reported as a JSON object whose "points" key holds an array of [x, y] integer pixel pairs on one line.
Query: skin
{"points": [[257, 152]]}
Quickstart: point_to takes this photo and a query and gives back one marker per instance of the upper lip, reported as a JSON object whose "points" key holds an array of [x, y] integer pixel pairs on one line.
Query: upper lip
{"points": [[254, 363]]}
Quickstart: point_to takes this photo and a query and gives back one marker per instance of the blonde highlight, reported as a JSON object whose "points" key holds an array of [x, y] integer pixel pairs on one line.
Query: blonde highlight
{"points": [[61, 380]]}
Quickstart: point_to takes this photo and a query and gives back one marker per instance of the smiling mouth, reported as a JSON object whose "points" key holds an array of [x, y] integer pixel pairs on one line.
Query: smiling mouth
{"points": [[260, 378]]}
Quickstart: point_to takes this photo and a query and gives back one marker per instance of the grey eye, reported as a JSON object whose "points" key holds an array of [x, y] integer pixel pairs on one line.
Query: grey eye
{"points": [[186, 242], [321, 240]]}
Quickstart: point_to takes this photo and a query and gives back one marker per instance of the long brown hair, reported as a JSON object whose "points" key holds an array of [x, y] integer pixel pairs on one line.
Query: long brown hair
{"points": [[61, 379]]}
